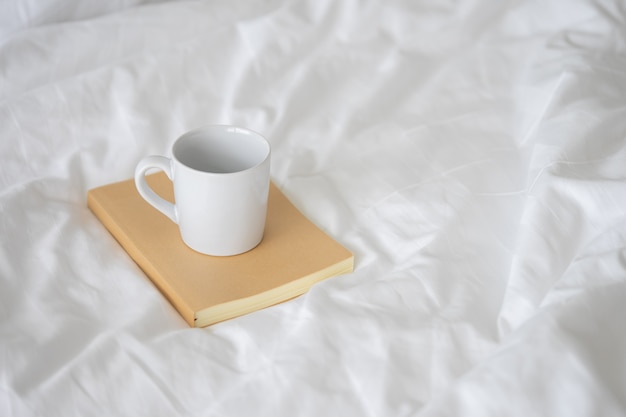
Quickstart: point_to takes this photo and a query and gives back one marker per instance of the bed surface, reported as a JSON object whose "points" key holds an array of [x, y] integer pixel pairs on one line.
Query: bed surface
{"points": [[471, 154]]}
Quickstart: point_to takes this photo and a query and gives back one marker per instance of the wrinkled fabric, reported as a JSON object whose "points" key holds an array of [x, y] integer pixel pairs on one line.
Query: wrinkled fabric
{"points": [[471, 154]]}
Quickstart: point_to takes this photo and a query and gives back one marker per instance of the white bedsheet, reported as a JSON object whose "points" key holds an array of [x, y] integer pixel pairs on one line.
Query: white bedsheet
{"points": [[472, 155]]}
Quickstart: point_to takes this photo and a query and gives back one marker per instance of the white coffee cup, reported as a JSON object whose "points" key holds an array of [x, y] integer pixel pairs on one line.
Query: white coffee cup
{"points": [[221, 177]]}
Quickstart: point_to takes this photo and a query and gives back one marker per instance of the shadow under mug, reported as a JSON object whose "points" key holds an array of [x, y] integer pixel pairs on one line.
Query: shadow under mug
{"points": [[221, 177]]}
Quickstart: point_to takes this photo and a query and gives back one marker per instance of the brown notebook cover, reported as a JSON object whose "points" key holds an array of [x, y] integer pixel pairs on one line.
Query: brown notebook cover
{"points": [[293, 255]]}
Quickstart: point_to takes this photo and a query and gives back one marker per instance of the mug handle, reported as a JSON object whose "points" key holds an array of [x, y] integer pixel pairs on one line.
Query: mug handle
{"points": [[164, 164]]}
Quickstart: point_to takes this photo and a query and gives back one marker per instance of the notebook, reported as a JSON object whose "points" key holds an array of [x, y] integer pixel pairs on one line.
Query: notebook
{"points": [[293, 255]]}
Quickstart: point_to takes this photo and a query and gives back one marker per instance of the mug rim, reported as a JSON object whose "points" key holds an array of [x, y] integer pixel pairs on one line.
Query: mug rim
{"points": [[222, 128]]}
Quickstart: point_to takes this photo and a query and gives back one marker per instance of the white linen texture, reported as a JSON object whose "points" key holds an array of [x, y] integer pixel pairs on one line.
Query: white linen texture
{"points": [[471, 154]]}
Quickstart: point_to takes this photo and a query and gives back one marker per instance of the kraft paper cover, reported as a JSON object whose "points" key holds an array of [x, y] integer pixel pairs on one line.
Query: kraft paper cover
{"points": [[293, 255]]}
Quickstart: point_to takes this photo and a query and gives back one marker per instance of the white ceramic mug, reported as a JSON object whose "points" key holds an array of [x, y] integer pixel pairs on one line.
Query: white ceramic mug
{"points": [[221, 177]]}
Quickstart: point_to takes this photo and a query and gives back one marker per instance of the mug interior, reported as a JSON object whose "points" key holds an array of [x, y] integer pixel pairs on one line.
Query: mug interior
{"points": [[221, 149]]}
